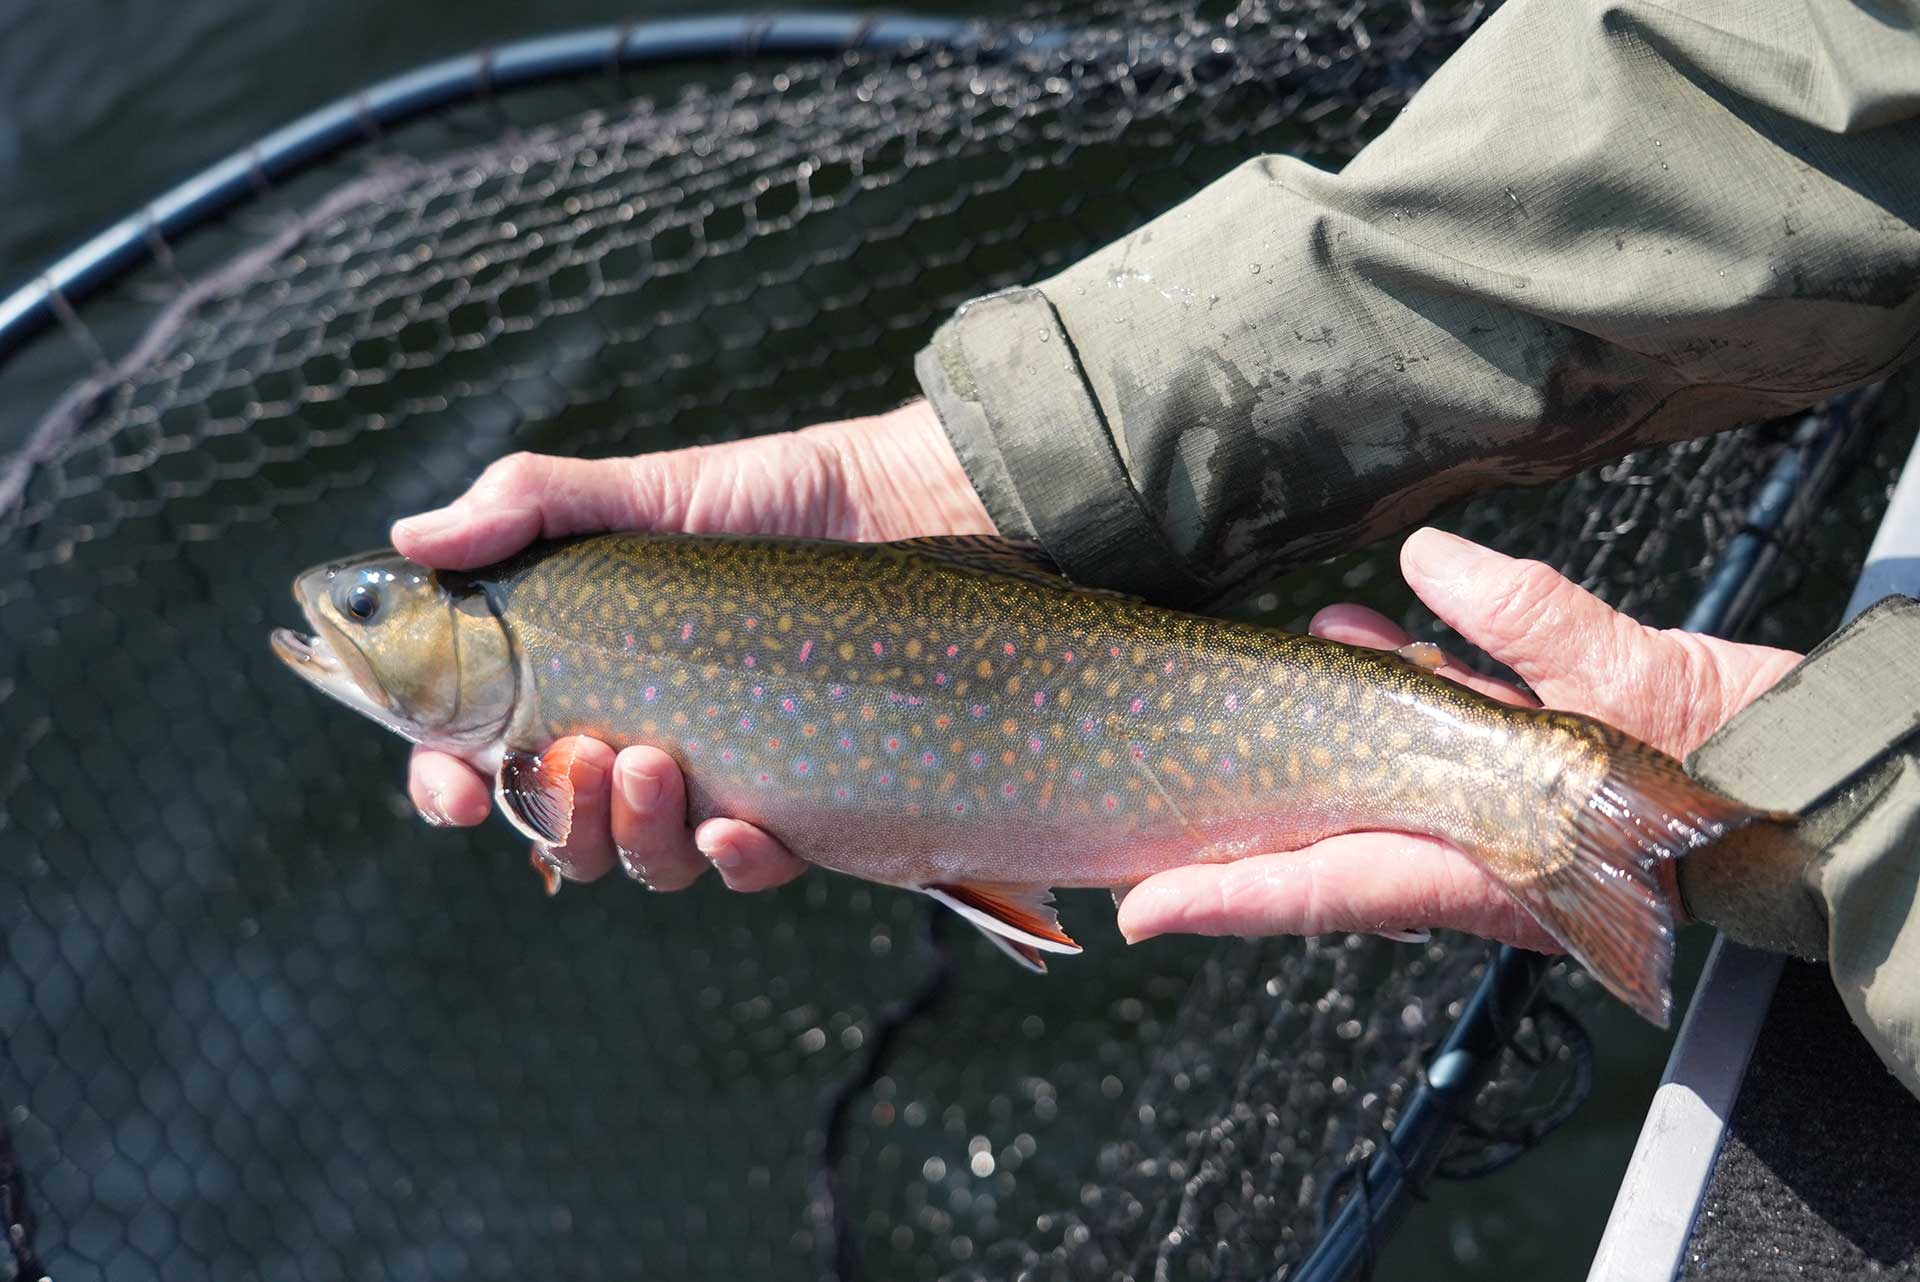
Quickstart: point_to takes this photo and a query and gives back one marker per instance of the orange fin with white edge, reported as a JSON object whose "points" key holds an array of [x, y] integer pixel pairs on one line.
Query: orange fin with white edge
{"points": [[1018, 914], [535, 791], [548, 870], [1026, 956], [1599, 889]]}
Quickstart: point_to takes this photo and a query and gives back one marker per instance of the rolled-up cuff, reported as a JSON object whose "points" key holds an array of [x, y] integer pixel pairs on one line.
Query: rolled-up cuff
{"points": [[1009, 390]]}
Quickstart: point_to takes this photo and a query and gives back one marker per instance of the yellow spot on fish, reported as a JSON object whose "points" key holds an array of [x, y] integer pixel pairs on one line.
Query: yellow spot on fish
{"points": [[985, 669], [786, 623], [1013, 685], [913, 648], [846, 652], [1319, 756], [1293, 767]]}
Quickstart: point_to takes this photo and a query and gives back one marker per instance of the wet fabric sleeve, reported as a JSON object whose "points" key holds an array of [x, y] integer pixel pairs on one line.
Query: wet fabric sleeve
{"points": [[1600, 226], [1837, 741]]}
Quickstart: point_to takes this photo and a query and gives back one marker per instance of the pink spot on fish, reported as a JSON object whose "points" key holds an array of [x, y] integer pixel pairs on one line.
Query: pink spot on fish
{"points": [[1232, 701], [765, 777], [759, 692], [1110, 801], [893, 743], [836, 692], [959, 807], [846, 743], [806, 649], [629, 641], [650, 693], [802, 767], [1068, 656], [914, 701], [1309, 712], [693, 747], [952, 650], [842, 793], [886, 777], [1113, 652], [1077, 774], [1009, 789], [978, 710], [1007, 648], [927, 758], [879, 647], [686, 631], [939, 678], [1089, 726], [1226, 765], [1036, 744], [1167, 666], [746, 723], [749, 661], [1039, 698], [752, 623], [726, 755], [555, 662], [1139, 752], [976, 760], [788, 705], [1136, 706]]}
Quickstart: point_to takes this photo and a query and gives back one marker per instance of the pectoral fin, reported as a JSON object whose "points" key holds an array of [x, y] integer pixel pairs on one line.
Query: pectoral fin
{"points": [[1019, 914], [535, 791]]}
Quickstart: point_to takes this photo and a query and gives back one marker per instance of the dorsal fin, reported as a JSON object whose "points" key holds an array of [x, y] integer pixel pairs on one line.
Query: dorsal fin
{"points": [[991, 554]]}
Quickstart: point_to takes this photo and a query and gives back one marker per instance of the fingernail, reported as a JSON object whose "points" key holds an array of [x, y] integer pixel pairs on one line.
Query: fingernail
{"points": [[631, 865], [1435, 554], [424, 525], [434, 810], [718, 852], [640, 788]]}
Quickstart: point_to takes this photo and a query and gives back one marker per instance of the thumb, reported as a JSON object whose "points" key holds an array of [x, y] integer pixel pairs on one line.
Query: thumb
{"points": [[1566, 643], [518, 499]]}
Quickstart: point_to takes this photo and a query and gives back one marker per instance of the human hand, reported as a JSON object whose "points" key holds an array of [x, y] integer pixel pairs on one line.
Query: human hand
{"points": [[1668, 688], [893, 476]]}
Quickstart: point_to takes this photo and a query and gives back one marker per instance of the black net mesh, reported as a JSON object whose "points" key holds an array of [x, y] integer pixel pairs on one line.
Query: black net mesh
{"points": [[260, 1023]]}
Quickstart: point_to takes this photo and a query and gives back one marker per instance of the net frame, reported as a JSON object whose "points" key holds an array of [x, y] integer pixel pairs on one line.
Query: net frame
{"points": [[58, 300]]}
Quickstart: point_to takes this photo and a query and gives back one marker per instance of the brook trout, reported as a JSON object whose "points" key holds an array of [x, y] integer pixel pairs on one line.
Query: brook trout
{"points": [[951, 716]]}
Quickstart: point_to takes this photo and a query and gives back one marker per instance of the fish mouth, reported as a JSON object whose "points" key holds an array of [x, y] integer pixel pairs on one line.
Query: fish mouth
{"points": [[333, 665]]}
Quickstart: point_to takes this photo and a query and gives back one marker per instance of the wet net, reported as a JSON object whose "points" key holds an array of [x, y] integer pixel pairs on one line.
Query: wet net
{"points": [[260, 1023]]}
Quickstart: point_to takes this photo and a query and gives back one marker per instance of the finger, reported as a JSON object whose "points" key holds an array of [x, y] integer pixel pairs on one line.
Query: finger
{"points": [[1357, 625], [588, 852], [748, 859], [521, 498], [446, 791], [650, 833], [1561, 639], [1354, 882]]}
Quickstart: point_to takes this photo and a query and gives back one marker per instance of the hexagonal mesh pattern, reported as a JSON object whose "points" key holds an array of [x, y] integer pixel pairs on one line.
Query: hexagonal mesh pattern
{"points": [[259, 1023]]}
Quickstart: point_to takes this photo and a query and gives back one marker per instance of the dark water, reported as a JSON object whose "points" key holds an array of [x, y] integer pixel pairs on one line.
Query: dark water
{"points": [[103, 105]]}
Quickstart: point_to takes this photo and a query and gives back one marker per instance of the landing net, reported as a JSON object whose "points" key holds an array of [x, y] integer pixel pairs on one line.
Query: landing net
{"points": [[259, 1022]]}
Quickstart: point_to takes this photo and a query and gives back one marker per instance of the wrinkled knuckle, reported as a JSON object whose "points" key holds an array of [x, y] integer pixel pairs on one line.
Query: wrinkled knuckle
{"points": [[514, 473], [1522, 607]]}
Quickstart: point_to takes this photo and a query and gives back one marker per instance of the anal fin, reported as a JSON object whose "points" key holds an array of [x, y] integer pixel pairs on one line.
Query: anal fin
{"points": [[535, 791], [1026, 956], [1018, 914]]}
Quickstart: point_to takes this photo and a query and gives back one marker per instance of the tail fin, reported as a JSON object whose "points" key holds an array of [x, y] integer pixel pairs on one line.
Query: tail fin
{"points": [[1601, 893]]}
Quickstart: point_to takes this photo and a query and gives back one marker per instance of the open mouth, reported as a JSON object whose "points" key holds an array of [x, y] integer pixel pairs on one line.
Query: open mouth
{"points": [[311, 657]]}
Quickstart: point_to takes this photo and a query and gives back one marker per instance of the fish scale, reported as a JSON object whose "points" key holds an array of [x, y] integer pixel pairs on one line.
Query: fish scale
{"points": [[952, 716]]}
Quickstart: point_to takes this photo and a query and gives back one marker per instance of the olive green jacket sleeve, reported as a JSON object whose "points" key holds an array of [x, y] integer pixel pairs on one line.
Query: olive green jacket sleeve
{"points": [[1600, 226], [1836, 741]]}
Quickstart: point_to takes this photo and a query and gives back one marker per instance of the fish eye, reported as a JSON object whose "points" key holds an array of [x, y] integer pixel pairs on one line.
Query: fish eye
{"points": [[361, 602]]}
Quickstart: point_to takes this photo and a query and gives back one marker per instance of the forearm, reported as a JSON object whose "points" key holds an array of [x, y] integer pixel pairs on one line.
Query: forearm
{"points": [[1599, 227]]}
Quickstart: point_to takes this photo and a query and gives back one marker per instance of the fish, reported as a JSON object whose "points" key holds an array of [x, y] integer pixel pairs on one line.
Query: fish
{"points": [[954, 717]]}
